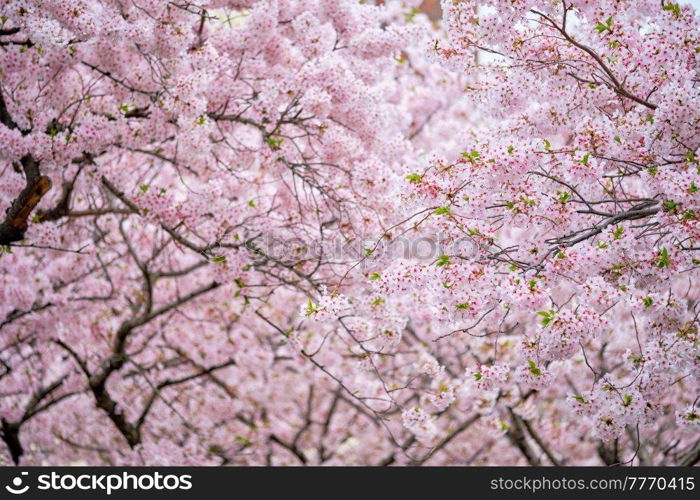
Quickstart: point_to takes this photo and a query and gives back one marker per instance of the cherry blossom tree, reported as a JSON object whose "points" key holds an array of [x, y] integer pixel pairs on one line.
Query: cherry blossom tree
{"points": [[304, 232]]}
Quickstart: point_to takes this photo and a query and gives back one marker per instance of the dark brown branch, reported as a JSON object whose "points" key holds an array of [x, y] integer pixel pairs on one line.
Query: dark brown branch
{"points": [[16, 314], [201, 372], [98, 381], [692, 457], [10, 430], [462, 427], [62, 208], [614, 83], [541, 443], [10, 435], [134, 208], [15, 224], [292, 448], [517, 438], [9, 31], [609, 453]]}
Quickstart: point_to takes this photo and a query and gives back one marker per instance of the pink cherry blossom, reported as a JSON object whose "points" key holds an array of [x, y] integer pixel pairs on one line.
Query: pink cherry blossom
{"points": [[304, 232]]}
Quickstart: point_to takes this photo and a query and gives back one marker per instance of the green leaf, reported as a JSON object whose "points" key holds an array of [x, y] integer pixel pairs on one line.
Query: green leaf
{"points": [[478, 376], [218, 259], [547, 145], [374, 276], [310, 308], [648, 301], [533, 368], [144, 187], [474, 155], [243, 441], [673, 7], [580, 398], [443, 210], [411, 14], [442, 260], [414, 178], [585, 158], [617, 232], [510, 150], [528, 201], [663, 260], [378, 301], [464, 305], [274, 143], [692, 416], [601, 28], [547, 316]]}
